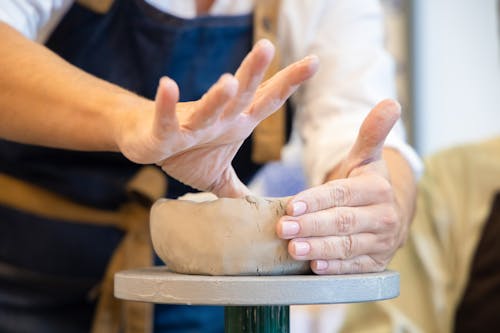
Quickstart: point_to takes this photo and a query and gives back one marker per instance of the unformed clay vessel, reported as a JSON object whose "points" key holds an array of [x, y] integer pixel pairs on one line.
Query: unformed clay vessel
{"points": [[222, 237]]}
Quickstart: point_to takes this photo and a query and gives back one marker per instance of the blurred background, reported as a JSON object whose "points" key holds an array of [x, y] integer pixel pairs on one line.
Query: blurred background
{"points": [[448, 69]]}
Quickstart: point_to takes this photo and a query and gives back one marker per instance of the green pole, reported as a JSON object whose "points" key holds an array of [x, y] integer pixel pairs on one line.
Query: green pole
{"points": [[257, 319]]}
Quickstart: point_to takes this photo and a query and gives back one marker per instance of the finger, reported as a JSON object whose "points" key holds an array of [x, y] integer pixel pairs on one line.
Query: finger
{"points": [[351, 192], [167, 96], [360, 264], [372, 134], [209, 108], [275, 91], [337, 221], [336, 247], [249, 75]]}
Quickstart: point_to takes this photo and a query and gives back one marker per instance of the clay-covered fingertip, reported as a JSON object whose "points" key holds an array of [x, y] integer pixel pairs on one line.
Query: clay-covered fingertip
{"points": [[229, 84], [265, 49], [391, 105], [265, 44], [166, 82], [167, 89], [313, 61]]}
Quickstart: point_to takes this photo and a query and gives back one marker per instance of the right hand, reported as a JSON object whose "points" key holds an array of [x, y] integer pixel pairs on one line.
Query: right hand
{"points": [[359, 218], [195, 142]]}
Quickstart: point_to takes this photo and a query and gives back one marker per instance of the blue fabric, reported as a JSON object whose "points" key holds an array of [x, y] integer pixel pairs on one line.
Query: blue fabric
{"points": [[189, 319], [132, 45], [48, 270], [56, 247], [277, 179]]}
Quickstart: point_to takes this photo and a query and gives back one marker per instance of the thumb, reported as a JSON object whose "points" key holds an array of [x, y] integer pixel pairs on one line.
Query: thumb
{"points": [[167, 96], [372, 134]]}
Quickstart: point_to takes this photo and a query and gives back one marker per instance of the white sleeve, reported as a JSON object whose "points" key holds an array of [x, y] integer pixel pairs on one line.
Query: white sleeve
{"points": [[355, 73], [34, 19]]}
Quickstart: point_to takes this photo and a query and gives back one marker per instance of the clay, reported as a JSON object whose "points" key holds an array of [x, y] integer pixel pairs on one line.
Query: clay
{"points": [[222, 237]]}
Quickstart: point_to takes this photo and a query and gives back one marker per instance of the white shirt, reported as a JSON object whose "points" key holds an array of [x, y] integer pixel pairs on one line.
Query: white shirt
{"points": [[355, 72]]}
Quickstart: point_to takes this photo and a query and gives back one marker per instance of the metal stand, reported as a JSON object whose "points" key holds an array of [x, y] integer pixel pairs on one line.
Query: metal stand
{"points": [[257, 304]]}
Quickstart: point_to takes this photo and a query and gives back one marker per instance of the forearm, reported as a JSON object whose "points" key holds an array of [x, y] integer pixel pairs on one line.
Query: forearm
{"points": [[45, 100]]}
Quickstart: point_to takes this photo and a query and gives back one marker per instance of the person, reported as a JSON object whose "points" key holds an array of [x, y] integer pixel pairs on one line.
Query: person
{"points": [[354, 216]]}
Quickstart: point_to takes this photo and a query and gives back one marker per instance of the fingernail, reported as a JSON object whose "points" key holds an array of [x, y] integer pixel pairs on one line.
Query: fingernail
{"points": [[289, 228], [301, 248], [321, 265], [299, 208]]}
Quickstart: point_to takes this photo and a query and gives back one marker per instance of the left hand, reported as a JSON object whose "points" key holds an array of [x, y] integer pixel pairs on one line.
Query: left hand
{"points": [[353, 223]]}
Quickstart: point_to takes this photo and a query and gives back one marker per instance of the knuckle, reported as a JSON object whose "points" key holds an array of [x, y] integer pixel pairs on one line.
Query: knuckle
{"points": [[378, 265], [339, 195], [313, 225], [347, 247], [337, 267], [356, 266], [344, 221], [389, 219], [389, 244], [326, 250]]}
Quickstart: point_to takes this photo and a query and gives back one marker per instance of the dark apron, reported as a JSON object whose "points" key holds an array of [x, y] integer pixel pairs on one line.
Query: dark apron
{"points": [[132, 45]]}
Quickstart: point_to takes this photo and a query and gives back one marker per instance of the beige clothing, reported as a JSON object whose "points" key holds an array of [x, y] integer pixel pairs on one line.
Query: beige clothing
{"points": [[454, 200]]}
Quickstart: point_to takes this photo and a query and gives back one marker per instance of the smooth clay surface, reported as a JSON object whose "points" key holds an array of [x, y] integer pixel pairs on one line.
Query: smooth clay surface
{"points": [[222, 237]]}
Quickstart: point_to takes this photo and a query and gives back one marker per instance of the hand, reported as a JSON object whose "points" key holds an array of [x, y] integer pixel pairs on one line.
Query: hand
{"points": [[195, 142], [353, 223]]}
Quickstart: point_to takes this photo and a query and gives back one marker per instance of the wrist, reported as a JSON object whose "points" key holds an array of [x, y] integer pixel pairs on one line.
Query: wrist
{"points": [[131, 119], [123, 116]]}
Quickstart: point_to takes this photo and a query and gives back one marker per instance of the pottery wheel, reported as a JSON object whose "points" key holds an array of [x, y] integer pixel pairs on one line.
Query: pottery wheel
{"points": [[159, 285]]}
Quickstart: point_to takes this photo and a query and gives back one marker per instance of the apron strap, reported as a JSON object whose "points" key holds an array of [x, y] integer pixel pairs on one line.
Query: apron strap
{"points": [[114, 315], [98, 6], [269, 135]]}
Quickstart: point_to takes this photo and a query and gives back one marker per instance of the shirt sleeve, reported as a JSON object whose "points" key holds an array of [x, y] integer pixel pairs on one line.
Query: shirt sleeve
{"points": [[34, 19], [356, 72]]}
